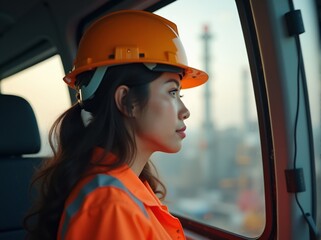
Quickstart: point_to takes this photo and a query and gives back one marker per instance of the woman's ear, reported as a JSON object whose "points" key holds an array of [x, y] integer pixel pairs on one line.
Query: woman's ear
{"points": [[121, 94]]}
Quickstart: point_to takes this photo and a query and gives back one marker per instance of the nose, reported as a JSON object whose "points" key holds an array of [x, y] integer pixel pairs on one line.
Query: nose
{"points": [[187, 114], [184, 112]]}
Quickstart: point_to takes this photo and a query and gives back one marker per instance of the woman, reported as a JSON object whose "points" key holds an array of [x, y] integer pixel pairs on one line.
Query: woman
{"points": [[100, 184]]}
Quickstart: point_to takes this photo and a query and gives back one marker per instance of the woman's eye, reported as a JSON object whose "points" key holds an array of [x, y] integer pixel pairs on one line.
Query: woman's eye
{"points": [[175, 93]]}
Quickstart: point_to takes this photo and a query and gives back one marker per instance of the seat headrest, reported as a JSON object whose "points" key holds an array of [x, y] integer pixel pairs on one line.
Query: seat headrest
{"points": [[19, 133]]}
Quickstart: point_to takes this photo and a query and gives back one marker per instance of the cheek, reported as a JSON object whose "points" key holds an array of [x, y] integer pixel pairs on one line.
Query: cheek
{"points": [[164, 111], [160, 115]]}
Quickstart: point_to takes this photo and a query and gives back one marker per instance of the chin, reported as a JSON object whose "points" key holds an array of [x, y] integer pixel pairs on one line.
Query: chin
{"points": [[172, 149]]}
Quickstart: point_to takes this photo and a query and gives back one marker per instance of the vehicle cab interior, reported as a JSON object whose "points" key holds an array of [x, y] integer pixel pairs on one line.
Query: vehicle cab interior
{"points": [[250, 167]]}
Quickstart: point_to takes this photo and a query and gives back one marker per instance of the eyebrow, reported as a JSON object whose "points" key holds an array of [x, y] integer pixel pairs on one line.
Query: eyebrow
{"points": [[177, 82]]}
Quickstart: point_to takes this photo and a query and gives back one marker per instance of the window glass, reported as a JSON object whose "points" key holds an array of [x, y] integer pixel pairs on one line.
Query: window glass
{"points": [[311, 55], [42, 86], [217, 177]]}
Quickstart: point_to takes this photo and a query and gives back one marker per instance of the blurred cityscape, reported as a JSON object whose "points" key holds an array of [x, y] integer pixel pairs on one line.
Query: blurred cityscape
{"points": [[218, 181], [217, 177]]}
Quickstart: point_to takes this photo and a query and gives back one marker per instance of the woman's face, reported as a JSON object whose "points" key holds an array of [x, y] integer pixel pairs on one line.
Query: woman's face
{"points": [[160, 124]]}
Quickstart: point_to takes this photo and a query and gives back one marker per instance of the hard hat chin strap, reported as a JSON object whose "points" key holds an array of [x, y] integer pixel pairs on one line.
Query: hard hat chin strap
{"points": [[88, 92]]}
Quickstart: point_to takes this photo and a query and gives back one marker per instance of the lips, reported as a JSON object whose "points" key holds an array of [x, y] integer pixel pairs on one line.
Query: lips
{"points": [[181, 132]]}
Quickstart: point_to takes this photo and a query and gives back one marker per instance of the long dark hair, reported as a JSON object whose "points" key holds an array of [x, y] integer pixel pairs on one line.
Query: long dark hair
{"points": [[73, 143]]}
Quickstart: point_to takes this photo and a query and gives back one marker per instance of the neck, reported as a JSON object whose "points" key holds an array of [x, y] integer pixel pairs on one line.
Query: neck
{"points": [[139, 162], [142, 156]]}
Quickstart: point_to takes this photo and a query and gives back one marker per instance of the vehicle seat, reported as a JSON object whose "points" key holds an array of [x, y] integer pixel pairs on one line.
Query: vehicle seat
{"points": [[19, 135]]}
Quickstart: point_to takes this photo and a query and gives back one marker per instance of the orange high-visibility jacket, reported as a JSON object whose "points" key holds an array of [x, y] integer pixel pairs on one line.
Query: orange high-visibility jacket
{"points": [[116, 205]]}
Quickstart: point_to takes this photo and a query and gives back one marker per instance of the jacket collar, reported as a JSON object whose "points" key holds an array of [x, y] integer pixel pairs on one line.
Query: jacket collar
{"points": [[140, 189]]}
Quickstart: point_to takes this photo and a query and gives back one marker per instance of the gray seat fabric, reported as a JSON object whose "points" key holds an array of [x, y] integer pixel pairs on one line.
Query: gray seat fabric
{"points": [[19, 135]]}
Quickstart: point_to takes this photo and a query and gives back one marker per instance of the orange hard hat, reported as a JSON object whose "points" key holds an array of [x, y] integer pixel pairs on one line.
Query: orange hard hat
{"points": [[133, 36]]}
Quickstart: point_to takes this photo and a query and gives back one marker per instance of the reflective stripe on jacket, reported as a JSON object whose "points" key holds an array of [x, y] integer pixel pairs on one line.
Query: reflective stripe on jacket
{"points": [[116, 205]]}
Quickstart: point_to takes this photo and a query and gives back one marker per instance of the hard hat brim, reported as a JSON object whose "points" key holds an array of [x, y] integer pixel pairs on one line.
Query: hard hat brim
{"points": [[192, 77]]}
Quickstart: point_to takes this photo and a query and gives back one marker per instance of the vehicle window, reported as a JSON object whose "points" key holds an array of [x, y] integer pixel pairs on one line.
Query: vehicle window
{"points": [[42, 86], [311, 55], [217, 177]]}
